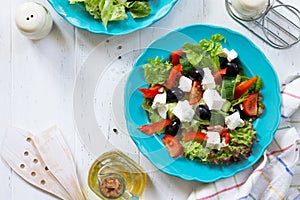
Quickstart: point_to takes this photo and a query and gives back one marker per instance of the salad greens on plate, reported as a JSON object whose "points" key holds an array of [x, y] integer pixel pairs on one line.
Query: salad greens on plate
{"points": [[202, 102], [114, 10]]}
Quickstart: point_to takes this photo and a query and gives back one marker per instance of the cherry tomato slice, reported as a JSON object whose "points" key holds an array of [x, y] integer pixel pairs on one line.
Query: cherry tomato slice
{"points": [[155, 127], [243, 87], [250, 105], [173, 145], [196, 93]]}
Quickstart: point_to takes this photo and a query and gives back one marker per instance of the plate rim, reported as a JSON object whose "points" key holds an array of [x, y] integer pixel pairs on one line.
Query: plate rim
{"points": [[277, 105]]}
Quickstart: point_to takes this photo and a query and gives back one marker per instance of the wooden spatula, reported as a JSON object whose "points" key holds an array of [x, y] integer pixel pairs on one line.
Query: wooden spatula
{"points": [[19, 151], [57, 156]]}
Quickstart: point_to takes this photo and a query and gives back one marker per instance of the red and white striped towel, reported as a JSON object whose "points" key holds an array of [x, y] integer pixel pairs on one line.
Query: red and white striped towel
{"points": [[277, 174]]}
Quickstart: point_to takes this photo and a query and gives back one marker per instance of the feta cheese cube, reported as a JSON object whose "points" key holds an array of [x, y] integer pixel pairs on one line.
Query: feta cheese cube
{"points": [[160, 103], [213, 99], [232, 121], [185, 84], [184, 111], [208, 81], [162, 111], [213, 140], [159, 100], [230, 55]]}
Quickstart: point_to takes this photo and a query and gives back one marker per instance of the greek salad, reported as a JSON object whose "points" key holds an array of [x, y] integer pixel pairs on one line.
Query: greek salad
{"points": [[202, 103]]}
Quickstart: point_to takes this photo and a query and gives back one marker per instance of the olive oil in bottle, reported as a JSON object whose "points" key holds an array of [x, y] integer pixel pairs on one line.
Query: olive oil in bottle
{"points": [[114, 175]]}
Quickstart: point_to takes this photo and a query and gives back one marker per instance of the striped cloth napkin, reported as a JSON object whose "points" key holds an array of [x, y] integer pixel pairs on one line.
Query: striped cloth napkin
{"points": [[277, 174]]}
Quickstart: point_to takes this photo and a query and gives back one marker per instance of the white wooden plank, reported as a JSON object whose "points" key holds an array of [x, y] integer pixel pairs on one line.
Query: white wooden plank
{"points": [[43, 79], [5, 88]]}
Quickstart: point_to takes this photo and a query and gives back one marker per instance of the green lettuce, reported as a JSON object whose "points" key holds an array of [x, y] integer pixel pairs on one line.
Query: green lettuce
{"points": [[138, 9], [195, 150], [241, 142], [213, 47], [113, 10], [197, 57], [156, 71]]}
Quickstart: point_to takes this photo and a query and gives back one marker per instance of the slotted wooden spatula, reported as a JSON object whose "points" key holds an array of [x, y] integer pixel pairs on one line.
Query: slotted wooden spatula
{"points": [[57, 156], [19, 151]]}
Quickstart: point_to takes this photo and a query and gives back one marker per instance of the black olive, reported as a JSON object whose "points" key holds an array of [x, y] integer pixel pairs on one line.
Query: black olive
{"points": [[174, 95], [203, 112], [196, 74], [223, 62], [239, 109], [232, 69], [174, 127]]}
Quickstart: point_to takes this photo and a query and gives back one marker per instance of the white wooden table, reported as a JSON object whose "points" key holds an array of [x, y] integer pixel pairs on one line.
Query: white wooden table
{"points": [[37, 81]]}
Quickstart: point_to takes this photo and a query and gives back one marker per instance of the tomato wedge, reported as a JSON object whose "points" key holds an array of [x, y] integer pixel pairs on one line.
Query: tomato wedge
{"points": [[241, 88], [198, 136], [175, 73], [175, 56], [250, 105], [196, 93], [219, 75], [150, 92], [155, 127], [173, 145]]}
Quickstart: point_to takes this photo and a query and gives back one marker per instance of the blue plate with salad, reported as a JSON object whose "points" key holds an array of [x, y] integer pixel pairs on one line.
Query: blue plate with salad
{"points": [[112, 17], [202, 103]]}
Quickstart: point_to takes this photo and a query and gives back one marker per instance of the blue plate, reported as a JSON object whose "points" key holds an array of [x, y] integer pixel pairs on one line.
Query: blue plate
{"points": [[254, 62], [79, 17]]}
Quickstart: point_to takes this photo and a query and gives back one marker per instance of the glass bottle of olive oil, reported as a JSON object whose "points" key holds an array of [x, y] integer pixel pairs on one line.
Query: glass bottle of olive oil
{"points": [[114, 175]]}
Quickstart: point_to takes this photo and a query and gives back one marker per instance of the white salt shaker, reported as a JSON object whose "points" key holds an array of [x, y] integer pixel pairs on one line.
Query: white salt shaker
{"points": [[33, 20], [250, 8]]}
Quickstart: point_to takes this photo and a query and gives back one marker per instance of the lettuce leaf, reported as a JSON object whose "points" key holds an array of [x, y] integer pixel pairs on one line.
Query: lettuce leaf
{"points": [[241, 141], [156, 71], [198, 57], [113, 10], [139, 9], [195, 150], [213, 47]]}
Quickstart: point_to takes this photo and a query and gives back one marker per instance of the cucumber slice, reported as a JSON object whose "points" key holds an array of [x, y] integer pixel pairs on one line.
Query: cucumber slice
{"points": [[228, 86]]}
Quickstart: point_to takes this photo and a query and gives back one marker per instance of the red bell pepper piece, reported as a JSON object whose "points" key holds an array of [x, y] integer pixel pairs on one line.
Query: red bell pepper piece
{"points": [[250, 105], [175, 73], [241, 88], [198, 136], [175, 56], [150, 92], [173, 145], [149, 129], [225, 134], [196, 93]]}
